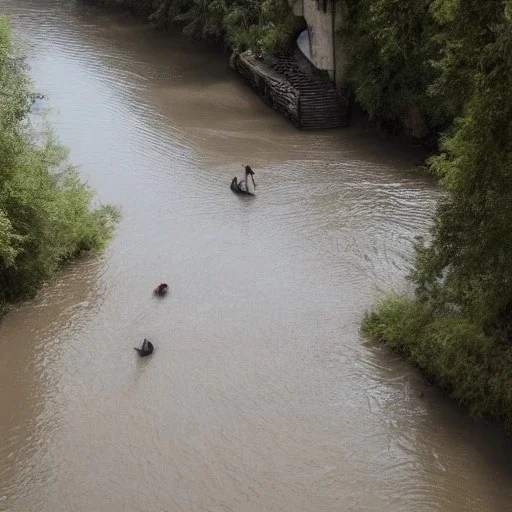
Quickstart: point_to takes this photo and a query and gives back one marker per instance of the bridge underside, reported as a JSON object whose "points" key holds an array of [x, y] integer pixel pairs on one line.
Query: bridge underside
{"points": [[321, 42]]}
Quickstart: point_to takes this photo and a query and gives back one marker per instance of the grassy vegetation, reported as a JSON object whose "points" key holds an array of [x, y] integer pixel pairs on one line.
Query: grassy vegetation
{"points": [[46, 214], [473, 366]]}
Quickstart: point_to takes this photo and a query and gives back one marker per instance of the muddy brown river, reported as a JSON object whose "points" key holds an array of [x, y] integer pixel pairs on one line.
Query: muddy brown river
{"points": [[261, 395]]}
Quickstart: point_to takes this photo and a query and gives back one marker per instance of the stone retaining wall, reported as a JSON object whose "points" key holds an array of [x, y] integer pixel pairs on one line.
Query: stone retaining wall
{"points": [[269, 85]]}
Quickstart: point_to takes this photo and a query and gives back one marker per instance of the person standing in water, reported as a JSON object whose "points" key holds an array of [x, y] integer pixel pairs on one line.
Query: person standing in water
{"points": [[244, 185]]}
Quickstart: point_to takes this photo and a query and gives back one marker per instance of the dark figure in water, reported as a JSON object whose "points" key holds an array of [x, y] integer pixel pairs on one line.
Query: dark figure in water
{"points": [[146, 349], [243, 186], [161, 289]]}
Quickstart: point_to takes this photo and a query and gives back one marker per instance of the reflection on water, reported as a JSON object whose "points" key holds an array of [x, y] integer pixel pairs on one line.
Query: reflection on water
{"points": [[260, 394]]}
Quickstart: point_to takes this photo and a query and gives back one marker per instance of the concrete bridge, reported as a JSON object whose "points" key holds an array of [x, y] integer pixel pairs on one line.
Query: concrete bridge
{"points": [[321, 42], [290, 81]]}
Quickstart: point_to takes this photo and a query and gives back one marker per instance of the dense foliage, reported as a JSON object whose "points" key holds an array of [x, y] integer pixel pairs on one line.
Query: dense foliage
{"points": [[256, 24], [459, 325], [45, 209], [390, 47]]}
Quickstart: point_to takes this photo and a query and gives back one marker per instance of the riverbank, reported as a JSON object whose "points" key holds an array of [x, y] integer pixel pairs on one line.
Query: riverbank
{"points": [[47, 217], [457, 326], [473, 366]]}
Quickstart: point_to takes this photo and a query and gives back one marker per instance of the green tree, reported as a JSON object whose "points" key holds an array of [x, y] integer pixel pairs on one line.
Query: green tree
{"points": [[390, 46], [458, 327], [469, 262], [45, 209]]}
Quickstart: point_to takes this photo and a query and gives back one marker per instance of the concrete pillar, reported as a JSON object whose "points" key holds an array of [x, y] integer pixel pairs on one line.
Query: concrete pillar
{"points": [[325, 48], [321, 36], [340, 60]]}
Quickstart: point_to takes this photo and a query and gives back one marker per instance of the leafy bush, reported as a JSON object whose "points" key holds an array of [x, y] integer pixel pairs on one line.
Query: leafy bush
{"points": [[474, 367], [45, 209]]}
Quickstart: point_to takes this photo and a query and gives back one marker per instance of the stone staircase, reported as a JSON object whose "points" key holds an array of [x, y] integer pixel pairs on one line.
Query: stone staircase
{"points": [[321, 106]]}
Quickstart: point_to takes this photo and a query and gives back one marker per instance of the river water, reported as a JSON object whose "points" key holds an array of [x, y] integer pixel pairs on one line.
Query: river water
{"points": [[260, 396]]}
